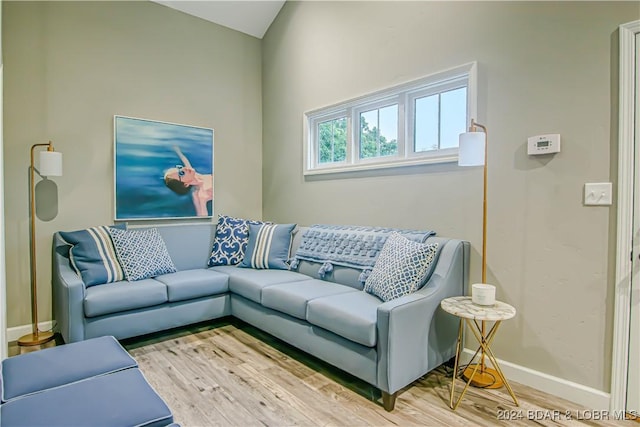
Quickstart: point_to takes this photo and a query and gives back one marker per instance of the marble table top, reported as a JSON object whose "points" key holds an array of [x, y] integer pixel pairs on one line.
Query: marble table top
{"points": [[465, 308]]}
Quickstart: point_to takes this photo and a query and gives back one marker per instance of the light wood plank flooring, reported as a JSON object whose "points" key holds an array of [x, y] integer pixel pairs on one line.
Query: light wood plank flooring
{"points": [[230, 374]]}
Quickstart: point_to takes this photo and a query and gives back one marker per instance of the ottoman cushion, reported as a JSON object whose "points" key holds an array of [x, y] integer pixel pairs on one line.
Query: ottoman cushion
{"points": [[52, 367], [122, 398]]}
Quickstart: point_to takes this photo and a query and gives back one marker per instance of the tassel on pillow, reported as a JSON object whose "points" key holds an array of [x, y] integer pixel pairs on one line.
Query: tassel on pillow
{"points": [[327, 267], [364, 276]]}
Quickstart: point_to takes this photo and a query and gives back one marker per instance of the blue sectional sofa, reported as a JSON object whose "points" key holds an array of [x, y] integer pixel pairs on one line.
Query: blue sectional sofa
{"points": [[387, 344]]}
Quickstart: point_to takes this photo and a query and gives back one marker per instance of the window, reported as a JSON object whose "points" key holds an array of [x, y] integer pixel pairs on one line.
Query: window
{"points": [[378, 135], [414, 123], [439, 119]]}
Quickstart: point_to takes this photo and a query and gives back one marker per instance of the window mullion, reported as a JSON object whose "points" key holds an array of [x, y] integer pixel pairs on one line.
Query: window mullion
{"points": [[315, 152], [403, 123], [378, 150], [352, 144], [439, 120]]}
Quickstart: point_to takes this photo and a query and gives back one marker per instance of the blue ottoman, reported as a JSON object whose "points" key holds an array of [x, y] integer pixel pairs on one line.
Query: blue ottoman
{"points": [[53, 367], [123, 398]]}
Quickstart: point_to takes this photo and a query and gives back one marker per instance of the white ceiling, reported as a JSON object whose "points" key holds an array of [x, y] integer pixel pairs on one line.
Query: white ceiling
{"points": [[250, 17]]}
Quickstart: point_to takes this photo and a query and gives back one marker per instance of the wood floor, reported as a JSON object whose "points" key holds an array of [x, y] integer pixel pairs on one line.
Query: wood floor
{"points": [[231, 374]]}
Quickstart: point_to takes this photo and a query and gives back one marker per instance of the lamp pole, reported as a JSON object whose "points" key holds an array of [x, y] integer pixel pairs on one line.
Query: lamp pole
{"points": [[36, 337], [473, 127]]}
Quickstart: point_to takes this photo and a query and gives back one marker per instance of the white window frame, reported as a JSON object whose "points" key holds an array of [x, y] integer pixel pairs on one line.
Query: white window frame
{"points": [[404, 96]]}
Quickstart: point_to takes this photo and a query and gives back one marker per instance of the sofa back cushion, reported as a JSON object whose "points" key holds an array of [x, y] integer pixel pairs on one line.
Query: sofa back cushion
{"points": [[342, 275], [189, 245]]}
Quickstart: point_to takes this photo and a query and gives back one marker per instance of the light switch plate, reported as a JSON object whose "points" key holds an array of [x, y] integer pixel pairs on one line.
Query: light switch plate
{"points": [[598, 194]]}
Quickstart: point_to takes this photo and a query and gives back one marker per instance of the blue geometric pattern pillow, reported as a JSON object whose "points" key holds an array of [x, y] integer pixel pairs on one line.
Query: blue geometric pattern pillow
{"points": [[93, 256], [142, 253], [269, 246], [230, 243], [401, 267]]}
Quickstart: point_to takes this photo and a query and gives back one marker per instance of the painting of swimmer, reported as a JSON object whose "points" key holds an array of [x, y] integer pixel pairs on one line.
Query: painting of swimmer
{"points": [[162, 170]]}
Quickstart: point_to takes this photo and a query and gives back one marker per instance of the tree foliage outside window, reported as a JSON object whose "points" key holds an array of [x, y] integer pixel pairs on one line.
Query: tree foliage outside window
{"points": [[373, 143], [332, 136]]}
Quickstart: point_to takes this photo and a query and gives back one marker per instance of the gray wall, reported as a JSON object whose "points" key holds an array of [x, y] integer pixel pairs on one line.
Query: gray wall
{"points": [[70, 66], [544, 67], [3, 278]]}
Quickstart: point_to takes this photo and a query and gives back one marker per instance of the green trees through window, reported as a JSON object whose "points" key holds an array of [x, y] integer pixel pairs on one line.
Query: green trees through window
{"points": [[333, 141], [379, 132]]}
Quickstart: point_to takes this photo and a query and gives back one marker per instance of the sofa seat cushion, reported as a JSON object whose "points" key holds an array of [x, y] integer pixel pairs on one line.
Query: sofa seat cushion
{"points": [[249, 282], [122, 398], [52, 367], [189, 284], [122, 296], [352, 316], [292, 298]]}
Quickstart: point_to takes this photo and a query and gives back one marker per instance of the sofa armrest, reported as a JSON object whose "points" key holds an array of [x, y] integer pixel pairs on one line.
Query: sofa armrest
{"points": [[68, 297], [414, 335]]}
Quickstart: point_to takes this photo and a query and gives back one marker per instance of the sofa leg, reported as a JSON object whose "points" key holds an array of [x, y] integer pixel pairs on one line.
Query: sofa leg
{"points": [[389, 401]]}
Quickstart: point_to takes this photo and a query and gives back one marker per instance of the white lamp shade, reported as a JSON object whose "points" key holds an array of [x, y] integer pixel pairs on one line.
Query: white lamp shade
{"points": [[471, 148], [50, 163]]}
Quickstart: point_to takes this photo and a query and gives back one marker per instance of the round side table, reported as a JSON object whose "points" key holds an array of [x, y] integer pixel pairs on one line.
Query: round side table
{"points": [[475, 315]]}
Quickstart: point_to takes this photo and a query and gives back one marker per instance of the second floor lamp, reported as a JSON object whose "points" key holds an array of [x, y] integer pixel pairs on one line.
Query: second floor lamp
{"points": [[473, 152]]}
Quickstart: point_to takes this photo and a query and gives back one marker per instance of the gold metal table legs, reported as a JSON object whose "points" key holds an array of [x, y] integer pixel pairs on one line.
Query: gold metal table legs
{"points": [[484, 350]]}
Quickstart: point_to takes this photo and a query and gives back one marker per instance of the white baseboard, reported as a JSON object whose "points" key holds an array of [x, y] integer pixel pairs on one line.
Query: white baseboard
{"points": [[17, 331], [588, 397]]}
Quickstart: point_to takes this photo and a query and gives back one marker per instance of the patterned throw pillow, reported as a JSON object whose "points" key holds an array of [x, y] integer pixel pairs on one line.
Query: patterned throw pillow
{"points": [[93, 256], [230, 243], [269, 246], [401, 267], [142, 253]]}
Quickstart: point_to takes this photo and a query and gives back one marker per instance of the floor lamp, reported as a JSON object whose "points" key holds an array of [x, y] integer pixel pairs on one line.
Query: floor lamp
{"points": [[50, 165], [473, 152]]}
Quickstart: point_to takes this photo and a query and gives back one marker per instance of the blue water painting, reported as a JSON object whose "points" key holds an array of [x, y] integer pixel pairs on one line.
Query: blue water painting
{"points": [[146, 152]]}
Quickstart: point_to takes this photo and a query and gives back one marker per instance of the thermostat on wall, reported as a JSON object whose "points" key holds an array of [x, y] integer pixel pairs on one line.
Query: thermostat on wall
{"points": [[543, 144]]}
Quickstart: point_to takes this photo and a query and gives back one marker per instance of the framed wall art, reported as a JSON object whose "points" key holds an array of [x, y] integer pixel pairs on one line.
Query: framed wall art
{"points": [[162, 170]]}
